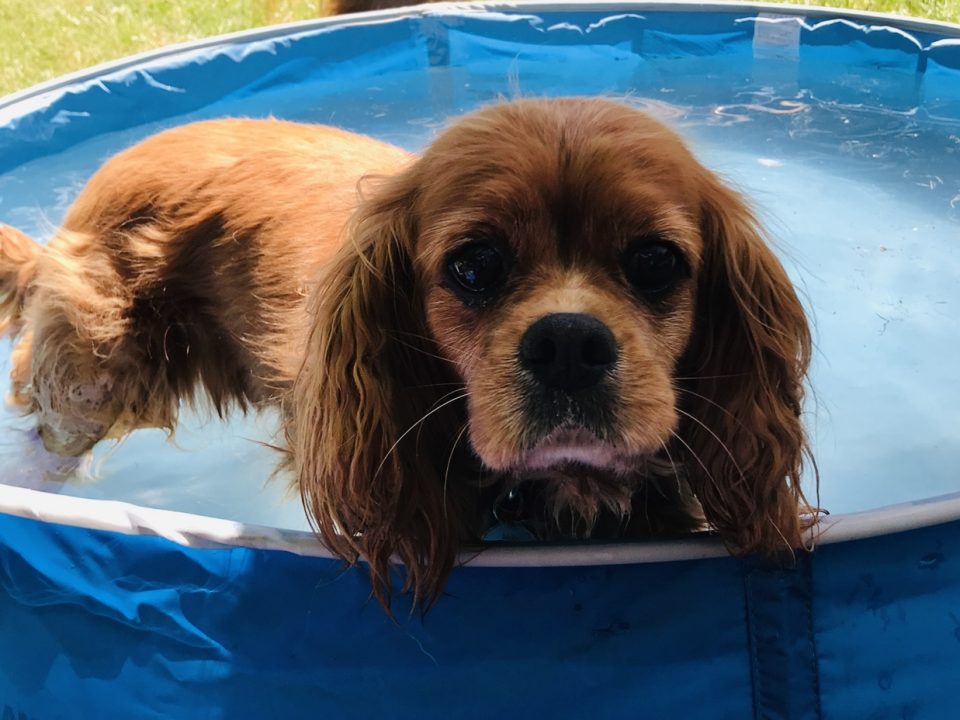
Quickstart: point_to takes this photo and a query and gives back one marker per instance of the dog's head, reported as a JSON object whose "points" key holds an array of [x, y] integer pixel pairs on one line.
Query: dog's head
{"points": [[558, 286]]}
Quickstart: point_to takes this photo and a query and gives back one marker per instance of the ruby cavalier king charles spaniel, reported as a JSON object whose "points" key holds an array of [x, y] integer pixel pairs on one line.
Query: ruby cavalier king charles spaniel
{"points": [[554, 319]]}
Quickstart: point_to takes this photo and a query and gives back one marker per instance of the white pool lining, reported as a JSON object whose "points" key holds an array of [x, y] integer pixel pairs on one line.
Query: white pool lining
{"points": [[198, 531]]}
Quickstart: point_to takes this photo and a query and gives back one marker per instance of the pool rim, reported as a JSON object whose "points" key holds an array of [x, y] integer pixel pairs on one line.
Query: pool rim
{"points": [[937, 27], [202, 531]]}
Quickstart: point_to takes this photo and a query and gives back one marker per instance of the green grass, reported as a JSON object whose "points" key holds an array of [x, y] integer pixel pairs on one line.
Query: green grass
{"points": [[41, 39], [946, 10]]}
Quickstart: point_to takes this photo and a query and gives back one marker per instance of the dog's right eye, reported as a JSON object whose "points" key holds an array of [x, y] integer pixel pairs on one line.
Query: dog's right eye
{"points": [[477, 269], [654, 267]]}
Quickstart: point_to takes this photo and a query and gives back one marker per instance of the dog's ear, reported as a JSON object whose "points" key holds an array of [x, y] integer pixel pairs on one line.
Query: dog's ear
{"points": [[742, 384], [367, 426]]}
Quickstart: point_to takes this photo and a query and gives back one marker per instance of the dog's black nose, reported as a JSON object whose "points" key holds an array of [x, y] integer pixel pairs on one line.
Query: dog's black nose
{"points": [[568, 351]]}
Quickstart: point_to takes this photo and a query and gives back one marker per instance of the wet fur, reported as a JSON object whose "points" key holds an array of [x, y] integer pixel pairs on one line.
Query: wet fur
{"points": [[234, 260]]}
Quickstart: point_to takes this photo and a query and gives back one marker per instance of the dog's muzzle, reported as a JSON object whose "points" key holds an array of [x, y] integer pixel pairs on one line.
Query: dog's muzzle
{"points": [[567, 359]]}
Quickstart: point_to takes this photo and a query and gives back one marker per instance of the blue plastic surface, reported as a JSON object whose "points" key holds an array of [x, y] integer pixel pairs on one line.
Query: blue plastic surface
{"points": [[97, 624], [94, 624]]}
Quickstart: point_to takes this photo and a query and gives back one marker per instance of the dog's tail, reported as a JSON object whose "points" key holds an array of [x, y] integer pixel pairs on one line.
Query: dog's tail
{"points": [[18, 265]]}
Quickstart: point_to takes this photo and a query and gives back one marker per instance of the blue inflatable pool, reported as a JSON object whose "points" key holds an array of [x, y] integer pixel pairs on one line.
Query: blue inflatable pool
{"points": [[162, 581]]}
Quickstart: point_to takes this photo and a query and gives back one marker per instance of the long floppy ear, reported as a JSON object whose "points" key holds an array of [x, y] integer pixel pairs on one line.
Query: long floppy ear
{"points": [[369, 466], [742, 385]]}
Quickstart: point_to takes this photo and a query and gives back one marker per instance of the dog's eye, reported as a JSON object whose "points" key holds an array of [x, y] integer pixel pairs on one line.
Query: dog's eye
{"points": [[654, 267], [477, 268]]}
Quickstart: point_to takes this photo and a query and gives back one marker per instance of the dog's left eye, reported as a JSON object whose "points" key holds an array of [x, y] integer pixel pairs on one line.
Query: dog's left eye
{"points": [[477, 268], [654, 267]]}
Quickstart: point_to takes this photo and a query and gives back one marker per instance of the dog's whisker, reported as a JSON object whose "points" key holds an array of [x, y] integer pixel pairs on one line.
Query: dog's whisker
{"points": [[412, 428], [457, 388], [421, 351], [696, 457], [417, 336], [726, 448], [707, 400], [711, 377], [464, 357], [646, 502], [676, 473], [448, 394], [437, 385], [446, 472]]}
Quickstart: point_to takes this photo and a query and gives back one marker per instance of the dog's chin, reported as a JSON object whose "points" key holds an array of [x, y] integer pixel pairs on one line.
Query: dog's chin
{"points": [[575, 447], [567, 488], [573, 485]]}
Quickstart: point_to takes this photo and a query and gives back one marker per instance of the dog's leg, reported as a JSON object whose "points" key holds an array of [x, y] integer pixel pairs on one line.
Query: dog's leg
{"points": [[73, 369], [18, 265], [21, 358]]}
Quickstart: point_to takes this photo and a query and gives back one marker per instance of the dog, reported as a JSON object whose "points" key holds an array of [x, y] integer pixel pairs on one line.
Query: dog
{"points": [[554, 318]]}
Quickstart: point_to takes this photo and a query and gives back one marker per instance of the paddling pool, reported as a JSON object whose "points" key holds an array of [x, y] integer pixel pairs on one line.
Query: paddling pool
{"points": [[177, 581]]}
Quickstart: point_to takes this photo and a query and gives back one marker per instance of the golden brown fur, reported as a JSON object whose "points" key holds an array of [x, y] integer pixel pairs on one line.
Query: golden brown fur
{"points": [[232, 259], [182, 266]]}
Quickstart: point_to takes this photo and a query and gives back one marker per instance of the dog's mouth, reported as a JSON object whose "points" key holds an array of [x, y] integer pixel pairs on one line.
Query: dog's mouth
{"points": [[574, 483], [573, 445]]}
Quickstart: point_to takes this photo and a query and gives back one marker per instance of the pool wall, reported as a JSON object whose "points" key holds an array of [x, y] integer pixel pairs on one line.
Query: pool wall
{"points": [[97, 623]]}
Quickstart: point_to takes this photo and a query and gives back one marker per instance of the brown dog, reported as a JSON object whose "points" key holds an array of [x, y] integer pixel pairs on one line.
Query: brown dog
{"points": [[555, 316]]}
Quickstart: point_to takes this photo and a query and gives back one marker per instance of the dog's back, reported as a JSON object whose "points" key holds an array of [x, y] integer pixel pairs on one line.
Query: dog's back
{"points": [[183, 267]]}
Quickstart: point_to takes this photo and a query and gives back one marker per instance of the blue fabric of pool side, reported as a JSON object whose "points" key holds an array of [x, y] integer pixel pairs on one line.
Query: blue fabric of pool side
{"points": [[783, 655], [193, 79], [140, 627], [887, 625], [94, 623]]}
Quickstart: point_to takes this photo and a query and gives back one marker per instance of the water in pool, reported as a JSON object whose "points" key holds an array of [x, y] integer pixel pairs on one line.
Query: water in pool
{"points": [[862, 203]]}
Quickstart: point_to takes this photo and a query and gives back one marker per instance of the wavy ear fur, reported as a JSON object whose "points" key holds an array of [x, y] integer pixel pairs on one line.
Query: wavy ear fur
{"points": [[742, 385], [371, 475]]}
